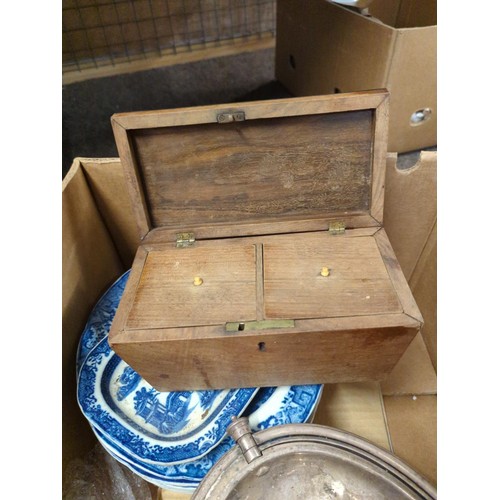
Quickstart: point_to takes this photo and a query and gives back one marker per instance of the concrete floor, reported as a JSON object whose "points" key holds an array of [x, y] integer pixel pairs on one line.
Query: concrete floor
{"points": [[88, 106]]}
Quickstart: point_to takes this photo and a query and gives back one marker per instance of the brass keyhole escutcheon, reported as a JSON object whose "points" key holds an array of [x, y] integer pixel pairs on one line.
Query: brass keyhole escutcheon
{"points": [[325, 272], [197, 281]]}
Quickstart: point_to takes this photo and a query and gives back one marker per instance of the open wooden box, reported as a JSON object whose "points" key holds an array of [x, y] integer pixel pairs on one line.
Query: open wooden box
{"points": [[263, 259]]}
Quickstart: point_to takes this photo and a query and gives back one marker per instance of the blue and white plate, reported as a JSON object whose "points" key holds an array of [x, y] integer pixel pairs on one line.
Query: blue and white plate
{"points": [[100, 319], [158, 481], [275, 406], [156, 427], [187, 475]]}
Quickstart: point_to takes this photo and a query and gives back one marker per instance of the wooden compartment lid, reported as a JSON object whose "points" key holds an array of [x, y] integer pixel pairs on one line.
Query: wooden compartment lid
{"points": [[263, 167]]}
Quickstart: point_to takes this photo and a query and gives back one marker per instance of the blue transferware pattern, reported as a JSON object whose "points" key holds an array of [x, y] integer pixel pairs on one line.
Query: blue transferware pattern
{"points": [[161, 483], [262, 396], [100, 319], [160, 428], [186, 474], [282, 405]]}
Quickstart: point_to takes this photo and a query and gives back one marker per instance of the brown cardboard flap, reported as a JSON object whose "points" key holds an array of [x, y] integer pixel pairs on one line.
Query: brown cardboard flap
{"points": [[287, 160], [356, 408], [322, 48], [414, 373], [410, 222], [89, 265], [412, 422], [416, 13], [405, 13], [424, 287], [410, 207], [412, 80], [107, 183]]}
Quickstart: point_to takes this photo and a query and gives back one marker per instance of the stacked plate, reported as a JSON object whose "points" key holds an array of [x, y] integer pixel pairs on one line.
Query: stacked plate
{"points": [[171, 439]]}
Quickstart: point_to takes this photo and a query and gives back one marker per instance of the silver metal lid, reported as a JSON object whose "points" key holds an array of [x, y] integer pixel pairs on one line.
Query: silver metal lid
{"points": [[305, 461]]}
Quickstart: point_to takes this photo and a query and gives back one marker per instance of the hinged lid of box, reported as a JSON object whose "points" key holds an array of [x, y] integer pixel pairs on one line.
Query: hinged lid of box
{"points": [[265, 167]]}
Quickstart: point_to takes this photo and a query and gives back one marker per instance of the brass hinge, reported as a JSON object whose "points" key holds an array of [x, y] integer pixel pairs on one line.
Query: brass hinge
{"points": [[336, 227], [185, 240], [235, 116]]}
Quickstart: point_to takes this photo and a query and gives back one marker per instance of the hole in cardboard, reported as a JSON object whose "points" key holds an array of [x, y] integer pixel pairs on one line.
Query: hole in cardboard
{"points": [[262, 346], [420, 116], [241, 327], [291, 60]]}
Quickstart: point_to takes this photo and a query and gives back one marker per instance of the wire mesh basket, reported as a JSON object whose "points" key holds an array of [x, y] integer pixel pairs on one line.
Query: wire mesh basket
{"points": [[103, 33]]}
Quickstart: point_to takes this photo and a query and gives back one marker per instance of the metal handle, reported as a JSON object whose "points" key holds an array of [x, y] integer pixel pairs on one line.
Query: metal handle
{"points": [[240, 431]]}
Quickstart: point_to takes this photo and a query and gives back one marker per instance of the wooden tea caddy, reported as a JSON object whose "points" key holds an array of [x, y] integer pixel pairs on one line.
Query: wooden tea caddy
{"points": [[263, 258]]}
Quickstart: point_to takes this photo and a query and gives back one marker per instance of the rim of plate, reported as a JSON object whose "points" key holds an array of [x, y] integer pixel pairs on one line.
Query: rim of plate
{"points": [[153, 450]]}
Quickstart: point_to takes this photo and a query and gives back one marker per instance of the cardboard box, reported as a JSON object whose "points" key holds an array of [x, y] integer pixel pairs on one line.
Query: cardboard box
{"points": [[324, 48], [99, 241]]}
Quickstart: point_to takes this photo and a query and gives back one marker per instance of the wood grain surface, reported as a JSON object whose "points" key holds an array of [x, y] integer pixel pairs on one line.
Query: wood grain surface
{"points": [[254, 110], [175, 333], [289, 161], [399, 282], [286, 225], [292, 166], [262, 278], [132, 176], [212, 173], [315, 351], [380, 134], [166, 295], [358, 283]]}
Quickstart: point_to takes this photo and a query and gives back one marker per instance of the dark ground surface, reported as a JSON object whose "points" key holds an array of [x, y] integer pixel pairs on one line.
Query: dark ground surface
{"points": [[88, 106]]}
